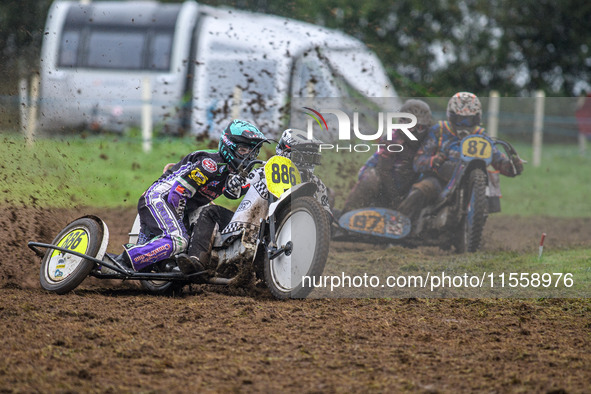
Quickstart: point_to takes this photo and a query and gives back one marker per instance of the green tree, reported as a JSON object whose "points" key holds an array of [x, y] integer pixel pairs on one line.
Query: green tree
{"points": [[21, 32]]}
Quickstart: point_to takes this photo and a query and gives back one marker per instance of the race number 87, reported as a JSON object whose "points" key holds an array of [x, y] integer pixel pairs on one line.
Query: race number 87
{"points": [[473, 147], [283, 174], [476, 147]]}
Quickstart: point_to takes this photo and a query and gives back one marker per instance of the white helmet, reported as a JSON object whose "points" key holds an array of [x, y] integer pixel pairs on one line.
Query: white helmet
{"points": [[464, 112], [295, 145]]}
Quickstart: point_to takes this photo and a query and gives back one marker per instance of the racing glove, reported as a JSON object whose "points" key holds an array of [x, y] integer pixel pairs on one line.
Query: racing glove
{"points": [[517, 164], [176, 195], [437, 160], [234, 186]]}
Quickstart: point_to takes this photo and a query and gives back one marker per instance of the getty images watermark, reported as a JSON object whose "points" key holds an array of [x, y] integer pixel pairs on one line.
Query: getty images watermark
{"points": [[390, 121]]}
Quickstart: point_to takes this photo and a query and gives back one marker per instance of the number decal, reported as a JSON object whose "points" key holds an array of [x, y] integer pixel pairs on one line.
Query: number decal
{"points": [[77, 241], [275, 178], [281, 174], [367, 221], [62, 264], [476, 147]]}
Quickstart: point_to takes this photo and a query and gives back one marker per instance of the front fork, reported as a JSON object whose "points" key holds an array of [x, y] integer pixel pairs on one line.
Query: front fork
{"points": [[271, 248]]}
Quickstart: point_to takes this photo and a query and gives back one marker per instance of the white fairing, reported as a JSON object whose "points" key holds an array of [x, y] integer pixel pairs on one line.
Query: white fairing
{"points": [[253, 208], [135, 230]]}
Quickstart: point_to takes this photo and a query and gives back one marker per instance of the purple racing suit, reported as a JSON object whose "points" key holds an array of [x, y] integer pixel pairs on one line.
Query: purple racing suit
{"points": [[196, 180]]}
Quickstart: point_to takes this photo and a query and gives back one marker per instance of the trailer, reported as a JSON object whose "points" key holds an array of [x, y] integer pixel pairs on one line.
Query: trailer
{"points": [[196, 66]]}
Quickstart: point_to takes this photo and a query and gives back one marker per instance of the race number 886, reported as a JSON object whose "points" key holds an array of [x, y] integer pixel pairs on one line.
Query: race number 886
{"points": [[283, 174]]}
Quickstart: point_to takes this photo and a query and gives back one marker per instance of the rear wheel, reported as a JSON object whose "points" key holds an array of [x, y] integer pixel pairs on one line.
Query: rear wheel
{"points": [[304, 228], [62, 272], [162, 287], [475, 213]]}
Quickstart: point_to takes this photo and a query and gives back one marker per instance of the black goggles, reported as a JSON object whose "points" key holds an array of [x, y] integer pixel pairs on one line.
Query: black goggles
{"points": [[464, 121]]}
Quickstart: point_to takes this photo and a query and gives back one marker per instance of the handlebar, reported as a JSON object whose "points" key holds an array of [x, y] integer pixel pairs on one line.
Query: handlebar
{"points": [[509, 149], [245, 169]]}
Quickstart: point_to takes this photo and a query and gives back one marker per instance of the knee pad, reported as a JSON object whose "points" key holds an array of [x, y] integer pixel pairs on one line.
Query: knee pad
{"points": [[179, 244]]}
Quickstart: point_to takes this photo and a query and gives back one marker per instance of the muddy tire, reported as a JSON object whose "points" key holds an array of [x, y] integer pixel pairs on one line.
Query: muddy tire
{"points": [[475, 213], [304, 224], [62, 272], [162, 287]]}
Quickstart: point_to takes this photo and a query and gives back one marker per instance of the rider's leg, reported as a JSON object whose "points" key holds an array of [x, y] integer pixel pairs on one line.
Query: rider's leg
{"points": [[364, 191], [158, 218], [203, 231], [421, 194], [396, 180]]}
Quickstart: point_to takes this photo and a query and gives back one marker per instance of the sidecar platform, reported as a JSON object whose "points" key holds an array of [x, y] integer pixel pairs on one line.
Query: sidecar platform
{"points": [[117, 271], [376, 222]]}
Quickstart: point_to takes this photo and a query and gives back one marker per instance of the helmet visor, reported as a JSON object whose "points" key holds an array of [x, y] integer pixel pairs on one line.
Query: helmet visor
{"points": [[243, 149], [463, 122]]}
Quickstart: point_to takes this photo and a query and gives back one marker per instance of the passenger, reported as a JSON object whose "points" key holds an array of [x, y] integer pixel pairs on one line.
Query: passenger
{"points": [[196, 180], [386, 177]]}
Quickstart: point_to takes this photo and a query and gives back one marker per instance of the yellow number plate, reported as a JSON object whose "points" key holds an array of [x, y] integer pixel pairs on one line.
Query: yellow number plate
{"points": [[76, 240], [477, 147], [281, 174]]}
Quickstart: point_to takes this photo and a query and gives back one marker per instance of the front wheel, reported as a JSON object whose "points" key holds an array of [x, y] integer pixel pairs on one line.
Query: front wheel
{"points": [[475, 213], [62, 272], [304, 228]]}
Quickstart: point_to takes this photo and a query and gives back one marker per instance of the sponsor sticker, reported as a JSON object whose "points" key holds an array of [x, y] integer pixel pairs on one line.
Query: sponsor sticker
{"points": [[198, 176], [244, 205], [209, 165]]}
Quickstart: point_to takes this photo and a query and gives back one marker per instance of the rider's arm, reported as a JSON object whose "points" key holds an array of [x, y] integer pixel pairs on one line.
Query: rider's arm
{"points": [[191, 174], [504, 165], [424, 159]]}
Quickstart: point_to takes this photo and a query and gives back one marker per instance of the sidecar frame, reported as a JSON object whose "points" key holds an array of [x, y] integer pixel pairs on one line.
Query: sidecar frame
{"points": [[110, 263]]}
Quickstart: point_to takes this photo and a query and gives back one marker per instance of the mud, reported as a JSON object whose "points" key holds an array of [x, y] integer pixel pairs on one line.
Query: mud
{"points": [[113, 337]]}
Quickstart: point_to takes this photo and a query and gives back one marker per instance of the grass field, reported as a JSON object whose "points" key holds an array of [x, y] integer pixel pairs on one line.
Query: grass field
{"points": [[112, 170]]}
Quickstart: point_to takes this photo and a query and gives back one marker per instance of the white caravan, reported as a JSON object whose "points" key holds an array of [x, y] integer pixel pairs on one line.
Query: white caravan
{"points": [[198, 66]]}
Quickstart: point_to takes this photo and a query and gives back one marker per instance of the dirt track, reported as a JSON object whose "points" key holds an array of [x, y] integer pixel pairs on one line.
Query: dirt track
{"points": [[112, 337]]}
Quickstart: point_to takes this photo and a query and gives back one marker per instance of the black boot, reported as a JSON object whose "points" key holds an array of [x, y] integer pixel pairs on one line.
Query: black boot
{"points": [[189, 264], [412, 204], [123, 260]]}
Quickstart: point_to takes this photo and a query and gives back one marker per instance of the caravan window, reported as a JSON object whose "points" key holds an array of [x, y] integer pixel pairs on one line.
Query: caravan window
{"points": [[119, 50], [160, 51], [69, 49], [130, 49]]}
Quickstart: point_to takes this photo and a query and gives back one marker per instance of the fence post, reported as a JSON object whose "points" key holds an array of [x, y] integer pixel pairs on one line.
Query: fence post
{"points": [[538, 127], [493, 114], [236, 102], [146, 114], [32, 113], [23, 94], [582, 143]]}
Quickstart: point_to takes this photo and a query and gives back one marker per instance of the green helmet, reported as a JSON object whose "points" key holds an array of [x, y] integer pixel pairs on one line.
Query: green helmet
{"points": [[238, 141]]}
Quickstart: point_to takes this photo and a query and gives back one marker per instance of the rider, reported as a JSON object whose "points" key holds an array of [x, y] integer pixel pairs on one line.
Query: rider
{"points": [[437, 157], [305, 154], [196, 180], [293, 144], [386, 177]]}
